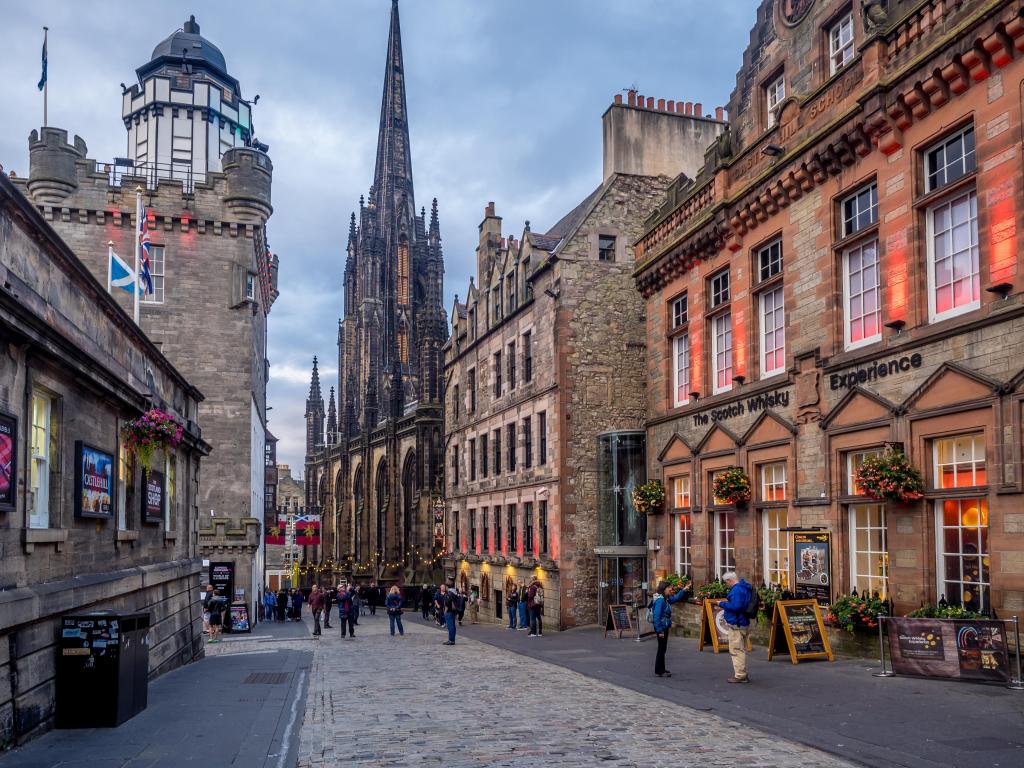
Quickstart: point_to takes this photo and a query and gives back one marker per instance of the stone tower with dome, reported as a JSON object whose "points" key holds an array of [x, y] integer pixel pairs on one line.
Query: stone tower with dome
{"points": [[206, 183]]}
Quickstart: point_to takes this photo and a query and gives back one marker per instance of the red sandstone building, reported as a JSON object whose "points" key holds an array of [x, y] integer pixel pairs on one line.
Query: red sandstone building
{"points": [[843, 274]]}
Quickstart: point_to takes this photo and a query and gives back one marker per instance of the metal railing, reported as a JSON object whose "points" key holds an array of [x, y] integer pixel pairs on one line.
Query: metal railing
{"points": [[150, 174]]}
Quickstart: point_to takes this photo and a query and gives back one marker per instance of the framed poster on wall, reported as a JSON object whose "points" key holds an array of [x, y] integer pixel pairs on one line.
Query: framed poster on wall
{"points": [[94, 482], [8, 461], [812, 554], [153, 496]]}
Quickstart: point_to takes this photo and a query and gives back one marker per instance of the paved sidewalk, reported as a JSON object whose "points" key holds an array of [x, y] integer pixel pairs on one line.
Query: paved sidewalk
{"points": [[837, 707]]}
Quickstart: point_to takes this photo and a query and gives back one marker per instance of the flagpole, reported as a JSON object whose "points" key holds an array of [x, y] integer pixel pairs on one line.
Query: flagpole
{"points": [[138, 245], [110, 264], [46, 82]]}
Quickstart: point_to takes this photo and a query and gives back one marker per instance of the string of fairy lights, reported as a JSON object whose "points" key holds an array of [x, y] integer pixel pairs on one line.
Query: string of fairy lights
{"points": [[350, 564]]}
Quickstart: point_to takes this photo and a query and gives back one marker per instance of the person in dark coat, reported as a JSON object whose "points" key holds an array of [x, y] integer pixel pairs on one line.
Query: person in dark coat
{"points": [[347, 610], [328, 604], [439, 604], [393, 604], [316, 605], [661, 615], [512, 604], [297, 599], [282, 604], [373, 597], [426, 601]]}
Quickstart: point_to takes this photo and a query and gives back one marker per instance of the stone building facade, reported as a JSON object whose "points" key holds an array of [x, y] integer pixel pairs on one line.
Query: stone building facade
{"points": [[374, 457], [74, 369], [207, 204], [842, 278], [544, 386], [291, 500]]}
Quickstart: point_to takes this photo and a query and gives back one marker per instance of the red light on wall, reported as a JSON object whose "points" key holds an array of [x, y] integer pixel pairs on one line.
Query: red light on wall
{"points": [[150, 215], [739, 343], [1002, 228], [185, 221], [696, 362], [895, 271]]}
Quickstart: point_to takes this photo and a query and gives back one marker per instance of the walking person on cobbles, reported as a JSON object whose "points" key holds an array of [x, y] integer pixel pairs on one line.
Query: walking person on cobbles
{"points": [[207, 597], [297, 600], [462, 603], [328, 596], [269, 604], [661, 615], [735, 608], [282, 604], [316, 605], [512, 604], [373, 597], [393, 604], [451, 603], [426, 601], [535, 603], [524, 619], [357, 602], [217, 604], [474, 605], [346, 611], [439, 604]]}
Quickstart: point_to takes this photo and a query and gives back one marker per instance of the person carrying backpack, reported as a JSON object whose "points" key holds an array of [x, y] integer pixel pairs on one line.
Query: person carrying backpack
{"points": [[512, 603], [739, 608], [347, 610], [661, 619], [450, 602], [535, 604]]}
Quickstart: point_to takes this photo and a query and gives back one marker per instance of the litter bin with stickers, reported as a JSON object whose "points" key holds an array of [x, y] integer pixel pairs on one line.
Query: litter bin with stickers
{"points": [[102, 668]]}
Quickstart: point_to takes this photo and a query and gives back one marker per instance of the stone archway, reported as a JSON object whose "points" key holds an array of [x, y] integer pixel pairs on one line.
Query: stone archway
{"points": [[410, 499]]}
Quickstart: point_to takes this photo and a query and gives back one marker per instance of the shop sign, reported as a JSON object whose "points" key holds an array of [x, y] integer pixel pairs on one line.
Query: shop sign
{"points": [[153, 496], [879, 369], [713, 629], [776, 399], [799, 628], [8, 461], [960, 649], [812, 553], [94, 484], [222, 576], [240, 618], [618, 620]]}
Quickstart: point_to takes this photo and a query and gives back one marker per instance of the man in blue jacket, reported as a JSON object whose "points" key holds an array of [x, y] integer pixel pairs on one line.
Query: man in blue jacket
{"points": [[661, 617], [735, 610]]}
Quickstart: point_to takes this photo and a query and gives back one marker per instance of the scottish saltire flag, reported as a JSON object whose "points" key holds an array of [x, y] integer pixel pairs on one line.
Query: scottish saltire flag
{"points": [[42, 79], [145, 277], [121, 275], [307, 530]]}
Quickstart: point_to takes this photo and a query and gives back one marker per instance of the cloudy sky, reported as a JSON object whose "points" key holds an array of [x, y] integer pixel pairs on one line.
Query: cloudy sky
{"points": [[505, 103]]}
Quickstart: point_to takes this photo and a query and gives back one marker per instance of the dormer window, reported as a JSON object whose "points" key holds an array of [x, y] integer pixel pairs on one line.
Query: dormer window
{"points": [[840, 43]]}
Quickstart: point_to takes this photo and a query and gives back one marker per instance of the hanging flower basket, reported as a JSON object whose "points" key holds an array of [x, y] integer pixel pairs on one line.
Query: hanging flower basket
{"points": [[853, 612], [649, 498], [732, 486], [152, 431], [890, 477]]}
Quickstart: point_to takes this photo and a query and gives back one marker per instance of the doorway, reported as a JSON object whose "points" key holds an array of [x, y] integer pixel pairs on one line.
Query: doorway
{"points": [[623, 582]]}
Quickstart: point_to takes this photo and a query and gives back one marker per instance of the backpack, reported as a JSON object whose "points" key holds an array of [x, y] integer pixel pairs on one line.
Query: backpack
{"points": [[753, 604], [650, 613], [538, 596]]}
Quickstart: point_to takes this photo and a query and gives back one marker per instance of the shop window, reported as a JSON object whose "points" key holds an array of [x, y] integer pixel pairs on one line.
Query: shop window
{"points": [[544, 538], [954, 272], [527, 357], [963, 566], [773, 331], [510, 448], [684, 538], [959, 462], [123, 457], [528, 543], [773, 482], [472, 460], [512, 535], [774, 93], [484, 463], [42, 450], [681, 492], [512, 365], [527, 442], [681, 369], [776, 546], [840, 43], [606, 248], [497, 451], [869, 561], [725, 542], [680, 312], [157, 270], [497, 374], [721, 352]]}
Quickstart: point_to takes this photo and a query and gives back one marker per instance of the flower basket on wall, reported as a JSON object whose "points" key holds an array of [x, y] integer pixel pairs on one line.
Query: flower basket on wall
{"points": [[890, 476], [713, 590], [853, 612], [153, 431], [732, 486], [649, 498]]}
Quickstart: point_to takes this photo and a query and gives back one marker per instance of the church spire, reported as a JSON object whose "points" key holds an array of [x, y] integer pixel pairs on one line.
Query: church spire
{"points": [[332, 420], [314, 412], [392, 179]]}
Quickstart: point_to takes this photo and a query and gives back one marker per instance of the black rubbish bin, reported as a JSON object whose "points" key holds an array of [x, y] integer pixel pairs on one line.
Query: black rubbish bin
{"points": [[102, 669]]}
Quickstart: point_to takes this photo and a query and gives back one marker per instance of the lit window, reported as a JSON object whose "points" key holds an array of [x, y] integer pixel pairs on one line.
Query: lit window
{"points": [[963, 568], [854, 461], [860, 210], [769, 259], [684, 536], [774, 94], [776, 547], [679, 311], [156, 272], [721, 352], [960, 462], [720, 289], [122, 486], [954, 273], [42, 411], [681, 369], [681, 492], [511, 518], [869, 566], [950, 159], [711, 489], [862, 295], [773, 481], [840, 43], [773, 332], [606, 248], [725, 542]]}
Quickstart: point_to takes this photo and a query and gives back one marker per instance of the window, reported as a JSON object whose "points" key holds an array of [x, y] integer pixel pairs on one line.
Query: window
{"points": [[543, 527], [472, 460], [42, 412], [773, 482], [542, 430], [853, 463], [250, 286], [720, 289], [458, 531], [472, 323], [679, 311], [681, 369], [122, 487], [681, 492], [456, 404], [721, 352], [860, 210], [497, 451], [840, 43], [527, 357], [497, 303], [773, 331], [960, 462], [156, 273], [684, 538], [512, 365], [497, 374], [963, 565], [485, 522], [510, 517], [725, 542], [606, 248], [455, 466], [950, 159], [776, 546], [954, 274], [527, 442], [529, 545], [711, 486], [484, 464], [472, 530], [472, 390], [769, 260], [497, 527], [774, 93], [862, 295], [170, 472], [510, 448], [869, 564]]}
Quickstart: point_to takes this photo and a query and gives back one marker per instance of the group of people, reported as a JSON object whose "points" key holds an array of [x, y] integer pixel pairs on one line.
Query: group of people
{"points": [[526, 603], [214, 606], [739, 608], [283, 605]]}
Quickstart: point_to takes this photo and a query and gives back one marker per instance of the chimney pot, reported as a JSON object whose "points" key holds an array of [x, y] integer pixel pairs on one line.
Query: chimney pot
{"points": [[689, 108], [618, 98], [671, 106], [650, 102], [679, 107], [719, 114], [631, 97], [661, 105], [697, 109]]}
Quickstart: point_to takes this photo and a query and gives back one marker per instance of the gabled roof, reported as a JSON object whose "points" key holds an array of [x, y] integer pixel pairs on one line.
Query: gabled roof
{"points": [[568, 224], [544, 242]]}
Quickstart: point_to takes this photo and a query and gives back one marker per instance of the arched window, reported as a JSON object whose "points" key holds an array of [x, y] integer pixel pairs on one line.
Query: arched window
{"points": [[383, 497], [409, 494]]}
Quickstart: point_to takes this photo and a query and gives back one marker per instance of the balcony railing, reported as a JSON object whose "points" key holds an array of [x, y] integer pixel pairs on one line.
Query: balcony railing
{"points": [[150, 174]]}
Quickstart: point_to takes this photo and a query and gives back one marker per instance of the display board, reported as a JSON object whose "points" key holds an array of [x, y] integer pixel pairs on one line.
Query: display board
{"points": [[798, 627], [153, 496], [713, 629], [618, 620], [222, 576], [94, 482], [8, 461], [812, 558], [958, 649], [240, 618]]}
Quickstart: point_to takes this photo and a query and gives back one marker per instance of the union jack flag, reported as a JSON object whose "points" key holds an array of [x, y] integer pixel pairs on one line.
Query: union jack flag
{"points": [[144, 267]]}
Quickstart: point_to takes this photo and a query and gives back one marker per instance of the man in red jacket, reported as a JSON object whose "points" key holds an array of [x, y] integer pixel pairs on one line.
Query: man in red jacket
{"points": [[316, 605]]}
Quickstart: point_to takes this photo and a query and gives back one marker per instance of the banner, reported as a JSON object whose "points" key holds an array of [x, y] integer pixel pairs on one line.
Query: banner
{"points": [[153, 496], [812, 558], [275, 534], [8, 461], [307, 530], [960, 649], [94, 484]]}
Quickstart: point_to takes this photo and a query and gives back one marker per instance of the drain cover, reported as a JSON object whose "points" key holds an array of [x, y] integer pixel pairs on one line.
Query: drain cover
{"points": [[266, 678]]}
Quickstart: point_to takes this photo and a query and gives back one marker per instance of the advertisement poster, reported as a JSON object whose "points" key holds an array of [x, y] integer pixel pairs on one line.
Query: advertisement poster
{"points": [[153, 496], [8, 461], [812, 557], [94, 485], [222, 576], [798, 627], [961, 649], [240, 618]]}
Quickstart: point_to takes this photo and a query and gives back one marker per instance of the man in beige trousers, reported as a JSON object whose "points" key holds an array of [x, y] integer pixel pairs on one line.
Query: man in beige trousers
{"points": [[735, 608]]}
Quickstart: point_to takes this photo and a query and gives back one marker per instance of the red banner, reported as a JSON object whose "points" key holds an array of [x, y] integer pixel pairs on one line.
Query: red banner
{"points": [[307, 530], [276, 534]]}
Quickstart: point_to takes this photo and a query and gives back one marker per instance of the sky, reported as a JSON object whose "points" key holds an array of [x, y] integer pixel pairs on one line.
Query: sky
{"points": [[505, 101]]}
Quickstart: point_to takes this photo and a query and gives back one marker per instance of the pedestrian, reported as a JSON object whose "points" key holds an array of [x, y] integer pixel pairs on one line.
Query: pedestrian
{"points": [[661, 618], [316, 605], [439, 604], [523, 608], [535, 604], [474, 604], [426, 601], [216, 620], [450, 602], [357, 601], [512, 604], [207, 596], [393, 603], [297, 602], [282, 604], [269, 603], [346, 611], [373, 597], [462, 603], [735, 608], [328, 602]]}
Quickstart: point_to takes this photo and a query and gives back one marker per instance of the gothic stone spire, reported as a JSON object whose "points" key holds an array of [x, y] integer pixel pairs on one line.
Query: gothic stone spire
{"points": [[314, 412], [392, 179], [332, 420]]}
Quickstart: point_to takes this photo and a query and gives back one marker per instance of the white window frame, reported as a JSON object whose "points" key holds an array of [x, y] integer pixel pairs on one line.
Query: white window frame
{"points": [[853, 461], [775, 94], [680, 311], [775, 545], [684, 544], [851, 224], [170, 478], [872, 556], [721, 292], [770, 256], [971, 196], [984, 552], [721, 566], [774, 475], [250, 286], [723, 322], [681, 492], [772, 316], [848, 297], [122, 486], [840, 51], [975, 442], [681, 368], [39, 513], [158, 273], [967, 162]]}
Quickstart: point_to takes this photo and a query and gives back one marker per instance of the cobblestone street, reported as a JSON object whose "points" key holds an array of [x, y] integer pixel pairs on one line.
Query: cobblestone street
{"points": [[382, 701]]}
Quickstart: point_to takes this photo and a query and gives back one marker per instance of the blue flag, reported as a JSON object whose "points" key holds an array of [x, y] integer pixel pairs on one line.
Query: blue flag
{"points": [[42, 80]]}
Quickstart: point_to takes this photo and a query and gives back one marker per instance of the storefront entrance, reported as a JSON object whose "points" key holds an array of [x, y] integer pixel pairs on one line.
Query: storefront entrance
{"points": [[623, 581]]}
